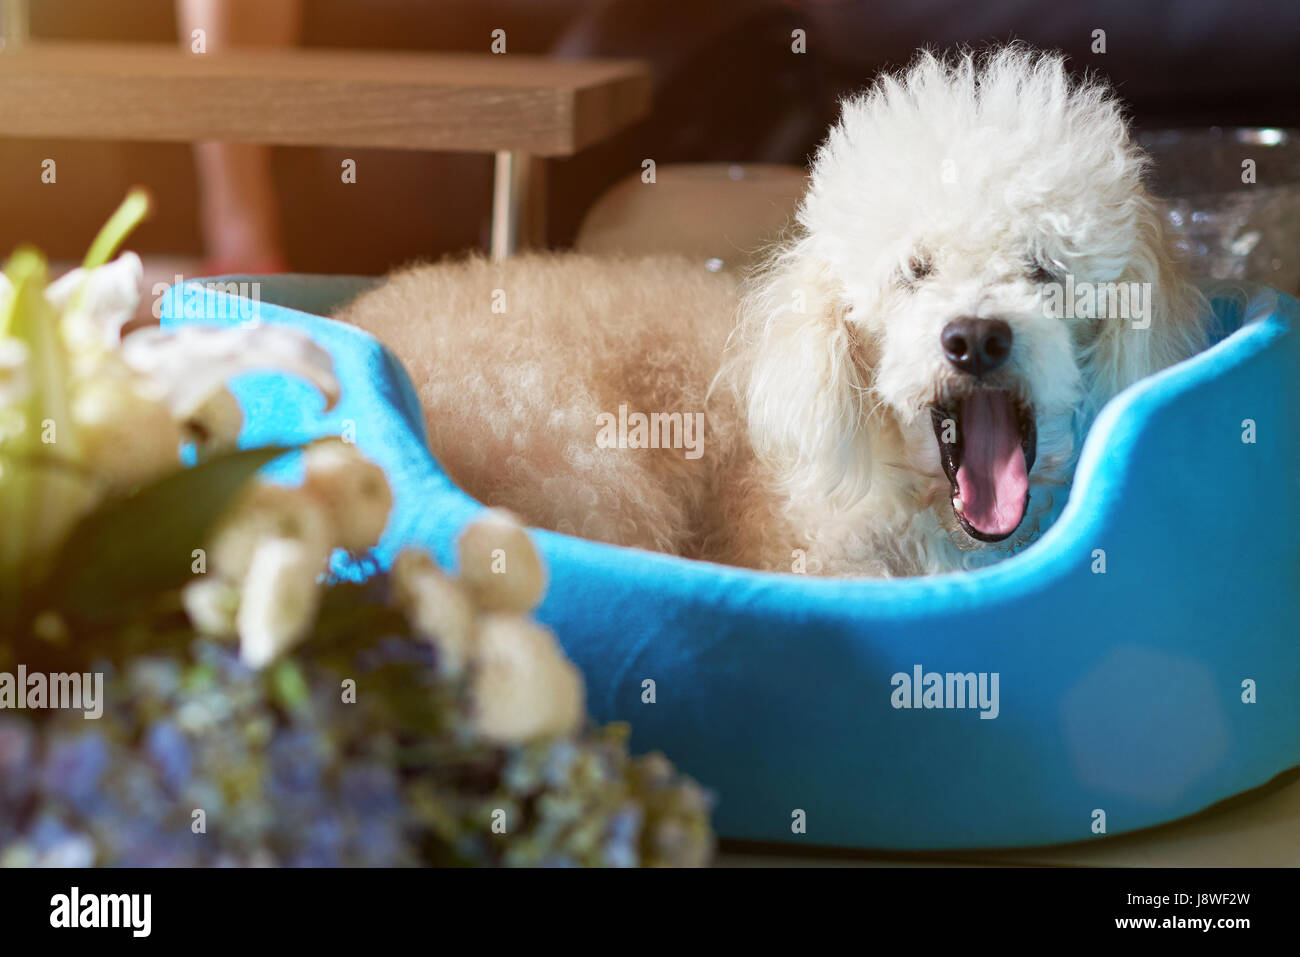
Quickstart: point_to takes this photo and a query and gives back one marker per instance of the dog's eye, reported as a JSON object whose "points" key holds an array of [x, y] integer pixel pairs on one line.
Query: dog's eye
{"points": [[1040, 273], [919, 266]]}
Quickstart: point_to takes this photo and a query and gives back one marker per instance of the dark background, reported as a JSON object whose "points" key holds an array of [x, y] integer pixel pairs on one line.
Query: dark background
{"points": [[727, 88]]}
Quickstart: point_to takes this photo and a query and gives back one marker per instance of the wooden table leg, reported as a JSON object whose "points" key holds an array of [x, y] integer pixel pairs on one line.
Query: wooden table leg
{"points": [[14, 24]]}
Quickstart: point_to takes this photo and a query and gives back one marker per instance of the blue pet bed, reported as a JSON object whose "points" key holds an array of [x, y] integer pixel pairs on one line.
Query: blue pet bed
{"points": [[1127, 697]]}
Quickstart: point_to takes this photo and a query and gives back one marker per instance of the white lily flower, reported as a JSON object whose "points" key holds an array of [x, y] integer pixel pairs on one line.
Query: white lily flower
{"points": [[15, 378], [278, 600], [127, 435], [92, 319], [110, 412], [192, 363]]}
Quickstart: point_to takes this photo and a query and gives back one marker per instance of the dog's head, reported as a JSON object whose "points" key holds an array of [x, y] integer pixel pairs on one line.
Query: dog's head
{"points": [[977, 268]]}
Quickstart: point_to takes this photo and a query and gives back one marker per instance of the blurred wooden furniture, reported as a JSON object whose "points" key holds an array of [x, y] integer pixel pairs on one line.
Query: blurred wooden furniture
{"points": [[517, 107]]}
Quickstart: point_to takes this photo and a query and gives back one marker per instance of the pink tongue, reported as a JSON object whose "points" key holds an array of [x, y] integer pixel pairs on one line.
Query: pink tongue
{"points": [[992, 479]]}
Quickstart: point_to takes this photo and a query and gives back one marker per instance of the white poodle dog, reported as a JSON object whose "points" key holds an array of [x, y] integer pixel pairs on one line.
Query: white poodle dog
{"points": [[975, 269]]}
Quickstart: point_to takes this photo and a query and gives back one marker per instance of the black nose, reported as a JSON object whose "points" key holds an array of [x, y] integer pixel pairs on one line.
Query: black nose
{"points": [[976, 346]]}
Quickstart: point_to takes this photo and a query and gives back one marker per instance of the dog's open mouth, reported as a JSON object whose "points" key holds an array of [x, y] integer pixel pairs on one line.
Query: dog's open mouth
{"points": [[993, 442]]}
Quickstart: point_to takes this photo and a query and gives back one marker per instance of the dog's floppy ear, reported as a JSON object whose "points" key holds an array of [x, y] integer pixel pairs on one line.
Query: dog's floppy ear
{"points": [[1126, 350], [797, 370]]}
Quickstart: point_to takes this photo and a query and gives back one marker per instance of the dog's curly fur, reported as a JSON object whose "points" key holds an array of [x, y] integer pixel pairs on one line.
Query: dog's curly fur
{"points": [[954, 189]]}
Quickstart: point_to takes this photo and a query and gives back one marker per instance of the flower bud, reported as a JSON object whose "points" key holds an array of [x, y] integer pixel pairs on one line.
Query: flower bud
{"points": [[211, 605], [215, 425], [278, 600], [264, 510], [352, 488], [436, 606], [499, 564], [523, 687]]}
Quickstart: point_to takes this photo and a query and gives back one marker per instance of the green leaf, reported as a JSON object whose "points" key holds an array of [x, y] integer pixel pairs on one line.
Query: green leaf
{"points": [[289, 687], [130, 549]]}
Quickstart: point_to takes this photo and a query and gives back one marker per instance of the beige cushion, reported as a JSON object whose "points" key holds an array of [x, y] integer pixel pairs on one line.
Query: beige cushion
{"points": [[710, 211]]}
